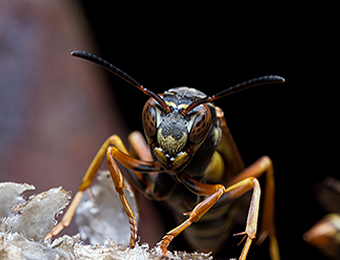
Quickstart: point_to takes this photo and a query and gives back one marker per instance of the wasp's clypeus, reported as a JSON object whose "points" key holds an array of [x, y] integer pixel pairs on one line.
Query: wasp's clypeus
{"points": [[190, 162]]}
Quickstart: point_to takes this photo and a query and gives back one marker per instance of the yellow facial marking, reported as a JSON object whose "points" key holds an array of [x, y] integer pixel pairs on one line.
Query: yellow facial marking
{"points": [[171, 104], [184, 106], [159, 154], [170, 144], [180, 160]]}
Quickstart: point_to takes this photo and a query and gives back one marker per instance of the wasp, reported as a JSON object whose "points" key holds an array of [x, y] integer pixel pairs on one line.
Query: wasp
{"points": [[190, 161]]}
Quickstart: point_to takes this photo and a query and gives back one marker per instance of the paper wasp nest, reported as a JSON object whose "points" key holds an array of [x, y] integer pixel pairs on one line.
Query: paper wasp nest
{"points": [[25, 223]]}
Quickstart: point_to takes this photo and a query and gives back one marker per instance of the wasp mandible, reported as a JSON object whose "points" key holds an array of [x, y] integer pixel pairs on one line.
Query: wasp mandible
{"points": [[190, 162]]}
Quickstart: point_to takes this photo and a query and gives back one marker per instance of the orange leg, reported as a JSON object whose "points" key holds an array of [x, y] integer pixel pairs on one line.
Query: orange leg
{"points": [[119, 152], [139, 146], [214, 193], [118, 181], [261, 166]]}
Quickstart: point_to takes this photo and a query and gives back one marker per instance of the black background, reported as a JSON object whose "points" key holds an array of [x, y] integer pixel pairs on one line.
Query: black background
{"points": [[213, 45]]}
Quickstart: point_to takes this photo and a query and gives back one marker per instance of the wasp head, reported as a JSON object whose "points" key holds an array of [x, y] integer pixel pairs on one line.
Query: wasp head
{"points": [[173, 136]]}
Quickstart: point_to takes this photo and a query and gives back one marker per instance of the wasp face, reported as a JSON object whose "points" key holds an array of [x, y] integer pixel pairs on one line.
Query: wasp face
{"points": [[172, 133], [173, 137]]}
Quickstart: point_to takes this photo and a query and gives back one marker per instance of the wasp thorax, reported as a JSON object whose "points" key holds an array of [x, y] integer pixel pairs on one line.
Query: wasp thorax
{"points": [[172, 134]]}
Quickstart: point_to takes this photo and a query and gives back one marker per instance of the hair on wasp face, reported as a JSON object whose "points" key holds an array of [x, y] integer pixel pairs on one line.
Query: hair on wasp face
{"points": [[177, 122]]}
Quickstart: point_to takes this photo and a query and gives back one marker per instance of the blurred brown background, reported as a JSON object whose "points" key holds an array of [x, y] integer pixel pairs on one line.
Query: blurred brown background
{"points": [[56, 110]]}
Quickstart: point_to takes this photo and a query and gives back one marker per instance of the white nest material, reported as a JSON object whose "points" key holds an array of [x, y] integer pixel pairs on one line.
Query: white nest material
{"points": [[25, 223]]}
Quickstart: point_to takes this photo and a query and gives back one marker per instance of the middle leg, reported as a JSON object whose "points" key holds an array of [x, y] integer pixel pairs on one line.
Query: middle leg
{"points": [[214, 193], [262, 166]]}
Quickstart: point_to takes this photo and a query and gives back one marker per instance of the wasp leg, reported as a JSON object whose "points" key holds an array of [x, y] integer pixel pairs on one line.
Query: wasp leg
{"points": [[118, 181], [261, 166], [122, 156], [139, 147], [214, 193]]}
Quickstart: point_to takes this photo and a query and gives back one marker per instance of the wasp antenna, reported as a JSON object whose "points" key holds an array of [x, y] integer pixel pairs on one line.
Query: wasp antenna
{"points": [[249, 84], [107, 65], [239, 87]]}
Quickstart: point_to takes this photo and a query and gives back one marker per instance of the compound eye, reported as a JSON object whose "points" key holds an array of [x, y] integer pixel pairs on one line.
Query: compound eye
{"points": [[149, 119], [201, 125]]}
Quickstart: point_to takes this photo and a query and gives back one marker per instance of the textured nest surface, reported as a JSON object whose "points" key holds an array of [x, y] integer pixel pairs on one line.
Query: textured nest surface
{"points": [[24, 223]]}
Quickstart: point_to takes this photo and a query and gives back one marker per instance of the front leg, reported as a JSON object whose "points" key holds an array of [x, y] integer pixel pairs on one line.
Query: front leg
{"points": [[214, 193], [119, 152], [118, 181]]}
